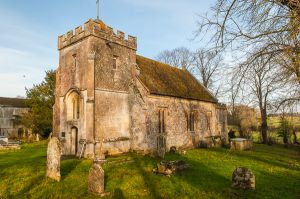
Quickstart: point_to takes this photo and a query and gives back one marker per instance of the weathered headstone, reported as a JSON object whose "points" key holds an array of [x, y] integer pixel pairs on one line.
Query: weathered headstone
{"points": [[161, 153], [96, 179], [173, 149], [243, 178], [170, 167], [53, 159]]}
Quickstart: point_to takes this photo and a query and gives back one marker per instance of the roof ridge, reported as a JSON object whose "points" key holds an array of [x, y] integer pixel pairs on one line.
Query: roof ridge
{"points": [[175, 67]]}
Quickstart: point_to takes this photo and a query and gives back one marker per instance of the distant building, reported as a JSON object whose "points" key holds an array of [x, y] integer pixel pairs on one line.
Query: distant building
{"points": [[116, 101], [11, 110]]}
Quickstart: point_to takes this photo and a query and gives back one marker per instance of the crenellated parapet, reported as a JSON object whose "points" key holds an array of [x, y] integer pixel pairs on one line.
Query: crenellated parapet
{"points": [[98, 29]]}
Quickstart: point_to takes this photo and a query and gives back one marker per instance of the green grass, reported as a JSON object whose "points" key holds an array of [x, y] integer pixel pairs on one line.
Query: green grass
{"points": [[277, 171], [274, 122]]}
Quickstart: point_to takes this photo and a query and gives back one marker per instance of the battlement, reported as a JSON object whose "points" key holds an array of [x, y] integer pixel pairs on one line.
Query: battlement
{"points": [[98, 29]]}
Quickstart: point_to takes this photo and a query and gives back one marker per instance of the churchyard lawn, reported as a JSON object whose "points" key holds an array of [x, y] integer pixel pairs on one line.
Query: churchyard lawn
{"points": [[277, 171]]}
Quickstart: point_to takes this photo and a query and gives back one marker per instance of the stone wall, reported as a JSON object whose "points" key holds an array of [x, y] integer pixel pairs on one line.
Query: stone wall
{"points": [[112, 121], [145, 122], [10, 121]]}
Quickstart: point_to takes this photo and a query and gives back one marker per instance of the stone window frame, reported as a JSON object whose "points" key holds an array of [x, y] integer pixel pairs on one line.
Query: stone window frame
{"points": [[74, 105], [208, 118], [191, 121], [162, 121], [63, 134], [75, 59], [115, 62], [75, 63]]}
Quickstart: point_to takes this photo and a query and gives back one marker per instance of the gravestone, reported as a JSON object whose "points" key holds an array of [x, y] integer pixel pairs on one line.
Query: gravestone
{"points": [[243, 178], [241, 144], [170, 167], [96, 179], [53, 159], [173, 149], [161, 146]]}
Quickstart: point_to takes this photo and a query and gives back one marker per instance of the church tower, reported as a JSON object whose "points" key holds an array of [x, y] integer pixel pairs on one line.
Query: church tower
{"points": [[96, 68]]}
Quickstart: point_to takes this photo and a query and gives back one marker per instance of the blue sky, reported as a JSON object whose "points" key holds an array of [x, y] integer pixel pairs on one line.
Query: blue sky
{"points": [[29, 31]]}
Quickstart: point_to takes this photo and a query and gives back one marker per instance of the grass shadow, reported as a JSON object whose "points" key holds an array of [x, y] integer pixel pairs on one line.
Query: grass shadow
{"points": [[118, 194], [205, 179], [264, 157], [24, 192], [147, 177], [67, 166]]}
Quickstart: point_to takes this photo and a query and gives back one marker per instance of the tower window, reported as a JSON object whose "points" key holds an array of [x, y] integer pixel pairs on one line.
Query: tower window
{"points": [[115, 60], [73, 106]]}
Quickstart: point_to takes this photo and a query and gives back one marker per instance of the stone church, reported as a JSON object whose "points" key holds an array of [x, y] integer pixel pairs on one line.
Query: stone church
{"points": [[109, 100]]}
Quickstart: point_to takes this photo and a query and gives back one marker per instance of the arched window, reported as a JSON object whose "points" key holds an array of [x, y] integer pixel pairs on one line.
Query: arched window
{"points": [[73, 106]]}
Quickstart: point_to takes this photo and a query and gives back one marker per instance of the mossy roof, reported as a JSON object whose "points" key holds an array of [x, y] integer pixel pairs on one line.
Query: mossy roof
{"points": [[163, 79], [12, 102]]}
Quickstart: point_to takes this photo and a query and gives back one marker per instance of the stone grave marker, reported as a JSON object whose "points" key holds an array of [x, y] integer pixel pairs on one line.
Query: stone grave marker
{"points": [[243, 178], [53, 159], [96, 179]]}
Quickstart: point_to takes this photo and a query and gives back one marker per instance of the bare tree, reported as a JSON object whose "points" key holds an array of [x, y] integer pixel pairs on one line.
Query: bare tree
{"points": [[261, 82], [206, 66], [178, 57], [272, 26]]}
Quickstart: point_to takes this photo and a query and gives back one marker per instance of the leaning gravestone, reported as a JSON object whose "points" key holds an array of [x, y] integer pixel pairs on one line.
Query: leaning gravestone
{"points": [[243, 178], [53, 159], [96, 179]]}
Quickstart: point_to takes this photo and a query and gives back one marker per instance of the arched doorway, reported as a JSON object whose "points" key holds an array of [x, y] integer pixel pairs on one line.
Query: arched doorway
{"points": [[74, 140]]}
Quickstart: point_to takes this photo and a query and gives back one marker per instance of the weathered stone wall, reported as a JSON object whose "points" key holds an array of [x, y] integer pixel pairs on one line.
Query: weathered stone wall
{"points": [[10, 120], [112, 121], [145, 122]]}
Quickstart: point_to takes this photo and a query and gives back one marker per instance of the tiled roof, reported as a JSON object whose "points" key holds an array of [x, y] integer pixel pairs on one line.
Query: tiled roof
{"points": [[12, 102], [163, 79]]}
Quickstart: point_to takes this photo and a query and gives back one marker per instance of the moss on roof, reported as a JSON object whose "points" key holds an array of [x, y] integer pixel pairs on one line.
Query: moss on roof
{"points": [[12, 102], [163, 79]]}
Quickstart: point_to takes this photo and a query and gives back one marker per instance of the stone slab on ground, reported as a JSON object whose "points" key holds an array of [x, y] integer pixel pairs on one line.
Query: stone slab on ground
{"points": [[241, 144]]}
